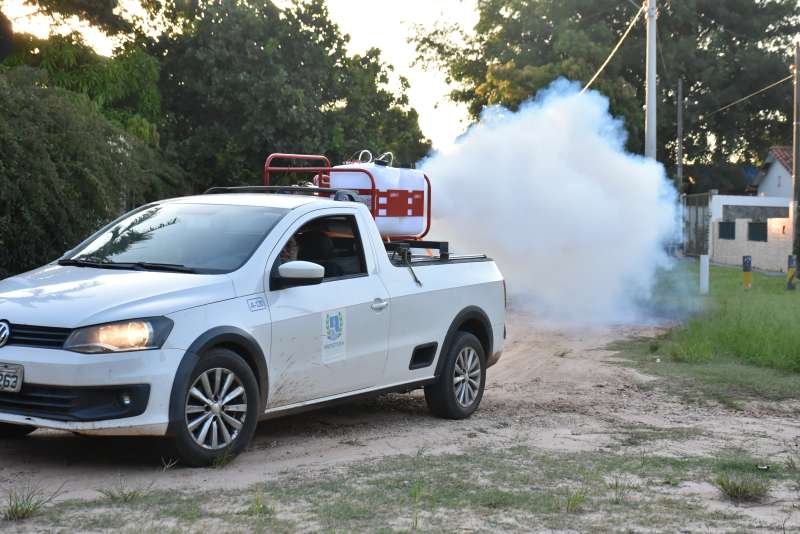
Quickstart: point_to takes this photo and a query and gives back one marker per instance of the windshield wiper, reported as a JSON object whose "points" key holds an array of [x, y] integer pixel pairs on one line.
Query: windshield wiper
{"points": [[136, 266], [170, 267], [86, 263]]}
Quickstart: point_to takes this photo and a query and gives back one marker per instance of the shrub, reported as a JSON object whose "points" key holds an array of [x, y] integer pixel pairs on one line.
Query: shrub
{"points": [[65, 170]]}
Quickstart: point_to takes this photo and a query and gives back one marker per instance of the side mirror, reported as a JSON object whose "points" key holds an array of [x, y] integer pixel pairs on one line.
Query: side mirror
{"points": [[297, 273]]}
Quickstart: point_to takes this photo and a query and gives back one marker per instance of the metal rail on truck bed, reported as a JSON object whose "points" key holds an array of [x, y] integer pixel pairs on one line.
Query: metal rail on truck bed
{"points": [[401, 253]]}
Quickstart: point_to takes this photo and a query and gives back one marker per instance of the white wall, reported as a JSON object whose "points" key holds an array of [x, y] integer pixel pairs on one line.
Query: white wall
{"points": [[777, 182], [771, 255], [717, 201], [715, 205]]}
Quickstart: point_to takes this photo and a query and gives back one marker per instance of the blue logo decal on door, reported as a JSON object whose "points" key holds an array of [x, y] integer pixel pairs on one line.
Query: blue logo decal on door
{"points": [[334, 325], [334, 335]]}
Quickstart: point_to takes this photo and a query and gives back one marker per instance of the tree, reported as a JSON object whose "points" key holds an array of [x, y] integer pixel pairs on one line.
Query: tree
{"points": [[722, 50], [65, 170], [124, 88], [103, 14], [6, 36], [243, 79]]}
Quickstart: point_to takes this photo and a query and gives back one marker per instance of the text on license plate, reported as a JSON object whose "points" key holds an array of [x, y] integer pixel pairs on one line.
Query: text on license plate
{"points": [[10, 377]]}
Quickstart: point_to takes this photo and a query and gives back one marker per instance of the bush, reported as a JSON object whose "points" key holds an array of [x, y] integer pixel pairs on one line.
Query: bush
{"points": [[65, 170]]}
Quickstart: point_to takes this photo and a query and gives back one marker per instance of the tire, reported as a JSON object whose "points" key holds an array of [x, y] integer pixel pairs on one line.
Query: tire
{"points": [[8, 430], [209, 432], [446, 398]]}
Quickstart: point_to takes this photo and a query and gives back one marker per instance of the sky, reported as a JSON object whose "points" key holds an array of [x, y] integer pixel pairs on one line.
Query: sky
{"points": [[385, 24]]}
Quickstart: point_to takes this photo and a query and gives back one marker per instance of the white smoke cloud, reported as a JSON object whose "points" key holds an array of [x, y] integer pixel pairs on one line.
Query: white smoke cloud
{"points": [[576, 224]]}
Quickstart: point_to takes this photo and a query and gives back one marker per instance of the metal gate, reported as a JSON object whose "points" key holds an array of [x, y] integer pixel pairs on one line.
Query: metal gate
{"points": [[696, 219]]}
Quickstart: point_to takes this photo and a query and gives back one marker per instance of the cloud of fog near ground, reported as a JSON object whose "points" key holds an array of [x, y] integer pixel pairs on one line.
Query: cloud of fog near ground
{"points": [[577, 224]]}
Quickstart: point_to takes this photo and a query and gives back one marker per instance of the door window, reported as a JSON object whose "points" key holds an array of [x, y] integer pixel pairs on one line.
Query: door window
{"points": [[333, 242]]}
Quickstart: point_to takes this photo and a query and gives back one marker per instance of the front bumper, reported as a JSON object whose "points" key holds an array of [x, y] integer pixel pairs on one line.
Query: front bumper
{"points": [[84, 393], [81, 404]]}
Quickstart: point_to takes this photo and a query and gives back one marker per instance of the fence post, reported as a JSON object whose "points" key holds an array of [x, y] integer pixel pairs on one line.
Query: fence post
{"points": [[704, 274], [747, 272], [791, 272]]}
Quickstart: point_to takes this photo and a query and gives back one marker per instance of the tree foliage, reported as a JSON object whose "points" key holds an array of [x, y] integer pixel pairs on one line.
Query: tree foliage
{"points": [[65, 170], [224, 83], [722, 51], [243, 80], [124, 87], [6, 36], [103, 14]]}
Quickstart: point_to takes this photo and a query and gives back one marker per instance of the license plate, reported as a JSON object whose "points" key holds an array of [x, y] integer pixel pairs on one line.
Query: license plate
{"points": [[10, 377]]}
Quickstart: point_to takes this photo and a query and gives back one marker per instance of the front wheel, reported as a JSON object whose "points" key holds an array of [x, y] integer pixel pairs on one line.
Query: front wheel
{"points": [[219, 409], [459, 390], [8, 430]]}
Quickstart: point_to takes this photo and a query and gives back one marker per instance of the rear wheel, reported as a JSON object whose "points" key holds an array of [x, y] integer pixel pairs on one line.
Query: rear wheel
{"points": [[459, 390], [219, 409], [15, 431]]}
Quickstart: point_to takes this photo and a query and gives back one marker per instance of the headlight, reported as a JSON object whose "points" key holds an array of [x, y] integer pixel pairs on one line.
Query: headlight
{"points": [[123, 336]]}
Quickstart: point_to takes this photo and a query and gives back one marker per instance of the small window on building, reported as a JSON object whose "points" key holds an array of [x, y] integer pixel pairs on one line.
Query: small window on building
{"points": [[757, 231], [727, 230]]}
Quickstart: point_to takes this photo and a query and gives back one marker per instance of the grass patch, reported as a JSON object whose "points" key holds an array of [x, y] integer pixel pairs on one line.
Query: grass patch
{"points": [[26, 501], [223, 460], [122, 493], [620, 490], [743, 487], [736, 344], [728, 382], [575, 500], [258, 506], [502, 489], [756, 327], [640, 434]]}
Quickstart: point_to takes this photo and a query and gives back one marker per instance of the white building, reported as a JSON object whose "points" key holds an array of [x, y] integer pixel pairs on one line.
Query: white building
{"points": [[775, 178], [728, 227], [760, 227]]}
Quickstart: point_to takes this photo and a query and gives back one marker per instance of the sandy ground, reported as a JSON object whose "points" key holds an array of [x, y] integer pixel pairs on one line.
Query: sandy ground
{"points": [[554, 389]]}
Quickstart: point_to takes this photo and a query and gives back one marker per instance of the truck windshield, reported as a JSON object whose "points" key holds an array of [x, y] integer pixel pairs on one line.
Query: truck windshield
{"points": [[202, 238]]}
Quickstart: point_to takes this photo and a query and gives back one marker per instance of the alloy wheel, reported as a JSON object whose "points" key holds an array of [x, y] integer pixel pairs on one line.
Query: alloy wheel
{"points": [[216, 407], [467, 376]]}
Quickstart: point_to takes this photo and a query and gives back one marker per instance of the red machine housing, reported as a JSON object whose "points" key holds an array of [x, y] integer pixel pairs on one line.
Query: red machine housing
{"points": [[383, 203]]}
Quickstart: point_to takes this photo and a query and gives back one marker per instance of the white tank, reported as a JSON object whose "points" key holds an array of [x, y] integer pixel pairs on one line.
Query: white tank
{"points": [[402, 199]]}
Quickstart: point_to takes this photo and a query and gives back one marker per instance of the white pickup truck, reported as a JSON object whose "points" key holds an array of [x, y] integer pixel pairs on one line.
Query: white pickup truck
{"points": [[196, 317]]}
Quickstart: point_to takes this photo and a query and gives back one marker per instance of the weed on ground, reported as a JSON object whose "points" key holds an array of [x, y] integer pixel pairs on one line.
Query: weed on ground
{"points": [[26, 501]]}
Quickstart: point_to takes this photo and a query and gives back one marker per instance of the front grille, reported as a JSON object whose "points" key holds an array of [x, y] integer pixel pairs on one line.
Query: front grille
{"points": [[38, 336], [76, 403]]}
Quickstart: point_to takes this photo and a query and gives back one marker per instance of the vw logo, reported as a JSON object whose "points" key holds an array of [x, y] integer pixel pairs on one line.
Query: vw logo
{"points": [[5, 332]]}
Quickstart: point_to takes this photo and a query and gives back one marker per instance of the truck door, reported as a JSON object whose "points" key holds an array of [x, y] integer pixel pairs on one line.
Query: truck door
{"points": [[329, 338]]}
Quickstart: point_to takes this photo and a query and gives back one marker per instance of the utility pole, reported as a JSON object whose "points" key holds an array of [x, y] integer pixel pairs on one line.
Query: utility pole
{"points": [[796, 151], [650, 84], [679, 150]]}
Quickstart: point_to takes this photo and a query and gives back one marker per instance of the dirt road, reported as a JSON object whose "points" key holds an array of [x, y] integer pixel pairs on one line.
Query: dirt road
{"points": [[554, 389]]}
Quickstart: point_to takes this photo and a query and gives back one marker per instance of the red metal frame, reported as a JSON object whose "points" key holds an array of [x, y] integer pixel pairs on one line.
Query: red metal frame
{"points": [[322, 179], [307, 157]]}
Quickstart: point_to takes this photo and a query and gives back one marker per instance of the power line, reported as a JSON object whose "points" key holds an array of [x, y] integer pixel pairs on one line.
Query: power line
{"points": [[751, 95], [614, 51]]}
